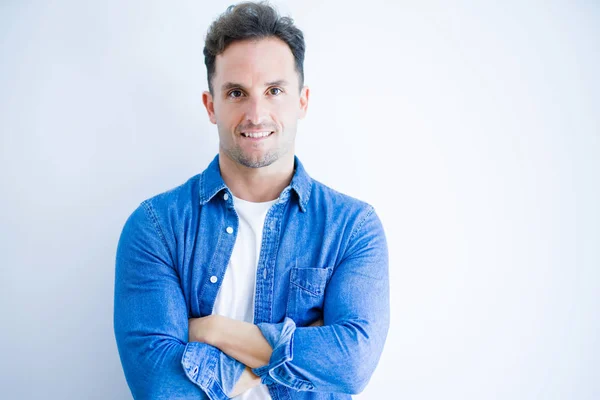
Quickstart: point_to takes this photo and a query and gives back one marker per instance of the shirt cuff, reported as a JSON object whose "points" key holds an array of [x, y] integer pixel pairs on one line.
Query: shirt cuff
{"points": [[280, 337], [214, 371]]}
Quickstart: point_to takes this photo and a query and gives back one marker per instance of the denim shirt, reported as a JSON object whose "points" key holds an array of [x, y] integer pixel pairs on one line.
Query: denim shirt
{"points": [[323, 256]]}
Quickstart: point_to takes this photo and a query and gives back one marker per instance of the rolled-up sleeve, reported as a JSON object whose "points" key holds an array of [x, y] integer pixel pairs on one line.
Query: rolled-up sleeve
{"points": [[278, 370], [342, 355], [151, 322]]}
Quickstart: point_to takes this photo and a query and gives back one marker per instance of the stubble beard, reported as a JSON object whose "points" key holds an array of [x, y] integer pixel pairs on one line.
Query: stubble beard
{"points": [[255, 161]]}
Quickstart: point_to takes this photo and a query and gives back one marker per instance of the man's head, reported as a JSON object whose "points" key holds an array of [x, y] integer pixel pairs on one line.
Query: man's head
{"points": [[254, 60]]}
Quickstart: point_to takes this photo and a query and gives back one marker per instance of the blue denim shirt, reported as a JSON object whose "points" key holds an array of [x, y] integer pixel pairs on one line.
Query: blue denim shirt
{"points": [[323, 256]]}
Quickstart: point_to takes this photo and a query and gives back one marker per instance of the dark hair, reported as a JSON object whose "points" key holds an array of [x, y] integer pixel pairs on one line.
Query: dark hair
{"points": [[252, 21]]}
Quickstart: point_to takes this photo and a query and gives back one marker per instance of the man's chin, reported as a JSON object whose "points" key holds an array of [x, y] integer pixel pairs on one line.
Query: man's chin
{"points": [[257, 162], [255, 159]]}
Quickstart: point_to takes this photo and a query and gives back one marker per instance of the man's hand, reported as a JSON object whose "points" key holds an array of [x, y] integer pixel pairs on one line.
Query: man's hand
{"points": [[247, 381]]}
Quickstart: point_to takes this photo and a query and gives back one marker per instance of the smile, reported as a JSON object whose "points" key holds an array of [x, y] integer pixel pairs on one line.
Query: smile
{"points": [[256, 135]]}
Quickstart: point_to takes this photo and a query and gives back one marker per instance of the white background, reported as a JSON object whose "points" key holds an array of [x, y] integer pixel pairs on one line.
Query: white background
{"points": [[473, 129]]}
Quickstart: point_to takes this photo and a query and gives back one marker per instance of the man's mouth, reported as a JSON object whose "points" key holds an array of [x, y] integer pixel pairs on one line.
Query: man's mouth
{"points": [[256, 135]]}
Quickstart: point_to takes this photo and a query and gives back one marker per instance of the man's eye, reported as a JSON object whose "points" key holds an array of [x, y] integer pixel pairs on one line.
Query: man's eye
{"points": [[235, 93], [275, 91]]}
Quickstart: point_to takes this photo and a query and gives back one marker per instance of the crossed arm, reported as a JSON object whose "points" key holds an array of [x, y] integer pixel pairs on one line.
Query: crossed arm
{"points": [[238, 339], [154, 340]]}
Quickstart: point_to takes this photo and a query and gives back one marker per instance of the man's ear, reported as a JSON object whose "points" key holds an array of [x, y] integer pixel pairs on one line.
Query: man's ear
{"points": [[304, 93], [207, 99]]}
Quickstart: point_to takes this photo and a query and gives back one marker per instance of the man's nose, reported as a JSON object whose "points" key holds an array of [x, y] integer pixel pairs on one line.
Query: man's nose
{"points": [[257, 111]]}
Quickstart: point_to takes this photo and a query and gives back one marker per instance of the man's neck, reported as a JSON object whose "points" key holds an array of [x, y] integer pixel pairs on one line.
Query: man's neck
{"points": [[257, 184]]}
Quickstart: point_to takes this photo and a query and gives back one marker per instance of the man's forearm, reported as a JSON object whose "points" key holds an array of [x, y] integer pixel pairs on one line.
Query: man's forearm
{"points": [[240, 340]]}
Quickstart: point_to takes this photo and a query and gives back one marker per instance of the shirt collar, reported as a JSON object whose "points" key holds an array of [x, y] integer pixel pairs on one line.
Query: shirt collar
{"points": [[212, 183]]}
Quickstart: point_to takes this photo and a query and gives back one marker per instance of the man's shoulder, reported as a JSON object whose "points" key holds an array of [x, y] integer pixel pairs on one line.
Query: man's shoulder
{"points": [[157, 215], [341, 213], [326, 196], [170, 207], [184, 194]]}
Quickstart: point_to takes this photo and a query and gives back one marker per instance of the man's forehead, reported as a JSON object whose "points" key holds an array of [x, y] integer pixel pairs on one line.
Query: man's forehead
{"points": [[266, 59]]}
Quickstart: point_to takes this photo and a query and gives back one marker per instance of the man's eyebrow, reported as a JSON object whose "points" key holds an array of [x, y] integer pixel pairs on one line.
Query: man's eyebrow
{"points": [[233, 85], [279, 82]]}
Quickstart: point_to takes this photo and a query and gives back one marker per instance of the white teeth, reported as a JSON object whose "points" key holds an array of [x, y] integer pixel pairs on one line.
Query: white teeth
{"points": [[256, 135]]}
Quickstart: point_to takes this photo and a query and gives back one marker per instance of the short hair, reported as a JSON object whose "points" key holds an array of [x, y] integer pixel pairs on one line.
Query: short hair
{"points": [[252, 21]]}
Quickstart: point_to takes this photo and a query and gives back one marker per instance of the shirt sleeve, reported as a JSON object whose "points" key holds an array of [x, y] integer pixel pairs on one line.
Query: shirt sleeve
{"points": [[341, 355], [151, 322]]}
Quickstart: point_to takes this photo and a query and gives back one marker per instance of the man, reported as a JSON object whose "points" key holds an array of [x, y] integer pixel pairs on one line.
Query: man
{"points": [[252, 279]]}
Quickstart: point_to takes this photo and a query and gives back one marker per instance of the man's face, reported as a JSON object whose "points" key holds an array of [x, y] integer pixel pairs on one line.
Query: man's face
{"points": [[256, 101]]}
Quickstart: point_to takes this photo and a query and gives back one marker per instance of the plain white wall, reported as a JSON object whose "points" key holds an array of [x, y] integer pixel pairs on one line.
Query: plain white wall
{"points": [[473, 129]]}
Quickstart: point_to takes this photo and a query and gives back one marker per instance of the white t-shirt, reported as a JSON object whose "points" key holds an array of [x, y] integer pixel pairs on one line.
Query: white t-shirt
{"points": [[236, 294]]}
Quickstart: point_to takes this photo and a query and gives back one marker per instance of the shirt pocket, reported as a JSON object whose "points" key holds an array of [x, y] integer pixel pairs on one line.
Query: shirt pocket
{"points": [[305, 297]]}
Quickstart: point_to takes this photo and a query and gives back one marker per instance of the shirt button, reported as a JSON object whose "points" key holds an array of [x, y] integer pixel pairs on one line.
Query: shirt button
{"points": [[229, 230], [225, 197], [213, 279]]}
